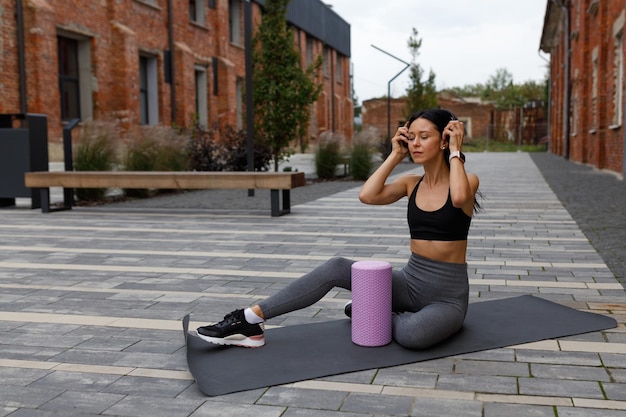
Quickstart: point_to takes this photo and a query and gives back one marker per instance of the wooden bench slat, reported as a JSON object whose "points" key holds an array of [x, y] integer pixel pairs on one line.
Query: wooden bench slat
{"points": [[165, 180], [273, 181]]}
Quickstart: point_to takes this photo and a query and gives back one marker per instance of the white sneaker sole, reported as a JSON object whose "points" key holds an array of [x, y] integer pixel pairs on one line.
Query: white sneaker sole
{"points": [[242, 341]]}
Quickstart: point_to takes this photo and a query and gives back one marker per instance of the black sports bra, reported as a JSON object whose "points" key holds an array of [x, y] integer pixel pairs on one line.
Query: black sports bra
{"points": [[447, 223]]}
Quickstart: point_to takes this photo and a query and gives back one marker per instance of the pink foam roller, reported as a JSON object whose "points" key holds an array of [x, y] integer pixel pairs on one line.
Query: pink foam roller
{"points": [[371, 303]]}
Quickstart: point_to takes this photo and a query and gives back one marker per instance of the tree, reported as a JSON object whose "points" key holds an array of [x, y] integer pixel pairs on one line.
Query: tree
{"points": [[419, 94], [500, 80], [283, 91], [470, 90], [501, 90]]}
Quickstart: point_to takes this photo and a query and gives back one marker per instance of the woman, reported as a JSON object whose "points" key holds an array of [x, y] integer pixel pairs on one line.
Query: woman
{"points": [[430, 294]]}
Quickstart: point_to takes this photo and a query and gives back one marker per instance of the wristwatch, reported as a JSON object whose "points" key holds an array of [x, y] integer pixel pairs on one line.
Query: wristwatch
{"points": [[457, 154]]}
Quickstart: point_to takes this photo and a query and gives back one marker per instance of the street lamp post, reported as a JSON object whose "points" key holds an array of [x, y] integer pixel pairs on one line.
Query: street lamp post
{"points": [[247, 24], [389, 92]]}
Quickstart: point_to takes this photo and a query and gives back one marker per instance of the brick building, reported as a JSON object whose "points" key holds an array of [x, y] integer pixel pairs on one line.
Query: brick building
{"points": [[585, 40], [475, 114], [374, 114], [521, 125], [146, 62]]}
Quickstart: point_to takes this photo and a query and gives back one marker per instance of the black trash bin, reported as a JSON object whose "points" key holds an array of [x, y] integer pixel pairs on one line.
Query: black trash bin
{"points": [[23, 148]]}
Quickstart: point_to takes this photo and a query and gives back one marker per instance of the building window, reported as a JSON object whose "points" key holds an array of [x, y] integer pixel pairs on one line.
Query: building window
{"points": [[326, 61], [196, 11], [239, 92], [574, 115], [201, 96], [74, 57], [309, 51], [148, 97], [296, 36], [153, 3], [339, 69], [216, 83], [234, 21], [618, 96], [467, 126], [68, 78]]}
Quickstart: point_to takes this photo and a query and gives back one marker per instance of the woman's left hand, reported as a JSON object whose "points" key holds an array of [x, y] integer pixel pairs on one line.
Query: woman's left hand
{"points": [[455, 132]]}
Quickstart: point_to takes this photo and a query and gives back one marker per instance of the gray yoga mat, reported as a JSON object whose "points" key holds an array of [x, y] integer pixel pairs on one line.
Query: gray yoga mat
{"points": [[301, 352]]}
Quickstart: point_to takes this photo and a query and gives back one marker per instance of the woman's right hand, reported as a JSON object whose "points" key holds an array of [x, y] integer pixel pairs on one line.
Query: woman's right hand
{"points": [[400, 143]]}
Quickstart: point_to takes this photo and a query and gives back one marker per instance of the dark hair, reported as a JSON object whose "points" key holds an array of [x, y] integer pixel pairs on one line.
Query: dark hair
{"points": [[440, 118]]}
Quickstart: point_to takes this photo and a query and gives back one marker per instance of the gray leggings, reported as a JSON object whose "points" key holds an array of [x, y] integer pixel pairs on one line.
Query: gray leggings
{"points": [[429, 298]]}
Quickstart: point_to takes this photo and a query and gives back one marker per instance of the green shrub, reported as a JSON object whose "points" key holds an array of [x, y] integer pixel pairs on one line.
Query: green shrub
{"points": [[227, 150], [360, 161], [173, 156], [327, 156], [361, 153], [482, 144], [95, 152], [235, 151], [173, 153], [203, 149], [140, 156], [383, 147], [156, 148]]}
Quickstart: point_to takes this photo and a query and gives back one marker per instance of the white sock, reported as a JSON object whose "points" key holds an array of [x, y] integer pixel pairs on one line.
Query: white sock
{"points": [[251, 316]]}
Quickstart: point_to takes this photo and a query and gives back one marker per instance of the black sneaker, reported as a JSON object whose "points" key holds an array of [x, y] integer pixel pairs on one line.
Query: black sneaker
{"points": [[348, 309], [234, 330]]}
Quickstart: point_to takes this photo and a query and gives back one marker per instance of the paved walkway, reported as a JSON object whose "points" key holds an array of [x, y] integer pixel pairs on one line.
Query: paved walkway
{"points": [[597, 202], [91, 302]]}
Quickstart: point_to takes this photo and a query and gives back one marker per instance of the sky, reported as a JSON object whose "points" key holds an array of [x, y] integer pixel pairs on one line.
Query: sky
{"points": [[463, 41]]}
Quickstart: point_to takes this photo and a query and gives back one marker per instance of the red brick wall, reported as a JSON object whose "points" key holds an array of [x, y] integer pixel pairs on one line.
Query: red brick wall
{"points": [[477, 117], [117, 32], [595, 138], [9, 81], [334, 110], [41, 58], [374, 114]]}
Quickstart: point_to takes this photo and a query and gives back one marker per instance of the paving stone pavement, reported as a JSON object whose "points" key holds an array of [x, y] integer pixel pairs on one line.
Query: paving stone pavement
{"points": [[596, 200], [91, 302]]}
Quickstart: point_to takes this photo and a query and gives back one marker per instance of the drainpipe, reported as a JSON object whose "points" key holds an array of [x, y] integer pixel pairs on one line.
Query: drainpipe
{"points": [[21, 56], [549, 118], [170, 11], [332, 91], [566, 97], [624, 156]]}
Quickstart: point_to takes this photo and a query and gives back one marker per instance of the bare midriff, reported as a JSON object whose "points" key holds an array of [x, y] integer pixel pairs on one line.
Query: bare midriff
{"points": [[439, 250]]}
